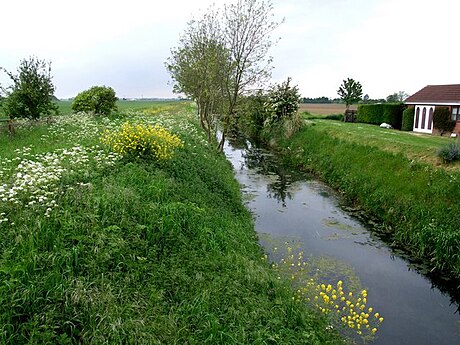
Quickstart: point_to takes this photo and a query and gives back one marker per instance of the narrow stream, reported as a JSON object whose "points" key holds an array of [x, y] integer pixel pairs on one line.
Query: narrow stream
{"points": [[290, 206]]}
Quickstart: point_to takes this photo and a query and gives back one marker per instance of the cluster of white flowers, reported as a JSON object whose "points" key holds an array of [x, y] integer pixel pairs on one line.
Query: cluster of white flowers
{"points": [[35, 180], [3, 218], [76, 127]]}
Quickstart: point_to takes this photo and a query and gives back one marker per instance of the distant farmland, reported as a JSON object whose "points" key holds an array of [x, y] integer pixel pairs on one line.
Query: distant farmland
{"points": [[324, 108]]}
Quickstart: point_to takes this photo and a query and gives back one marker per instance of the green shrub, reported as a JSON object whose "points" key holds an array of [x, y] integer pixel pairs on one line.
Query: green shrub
{"points": [[31, 94], [252, 114], [449, 153], [97, 100], [283, 101], [442, 120], [376, 114], [408, 119], [338, 117]]}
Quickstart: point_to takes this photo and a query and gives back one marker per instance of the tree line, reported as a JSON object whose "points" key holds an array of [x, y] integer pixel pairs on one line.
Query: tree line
{"points": [[393, 98]]}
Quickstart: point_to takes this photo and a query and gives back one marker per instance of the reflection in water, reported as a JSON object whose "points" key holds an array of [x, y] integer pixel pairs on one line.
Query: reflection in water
{"points": [[266, 164], [419, 309]]}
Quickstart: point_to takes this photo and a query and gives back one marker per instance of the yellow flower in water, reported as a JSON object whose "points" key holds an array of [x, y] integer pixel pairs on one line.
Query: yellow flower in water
{"points": [[381, 319], [377, 315], [374, 330]]}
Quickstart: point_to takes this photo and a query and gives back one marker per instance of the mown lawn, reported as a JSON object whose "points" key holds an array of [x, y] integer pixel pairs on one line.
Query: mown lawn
{"points": [[99, 249], [420, 147]]}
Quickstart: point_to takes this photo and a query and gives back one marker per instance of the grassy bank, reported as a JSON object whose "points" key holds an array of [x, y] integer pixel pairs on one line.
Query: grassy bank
{"points": [[100, 250], [415, 146], [416, 202]]}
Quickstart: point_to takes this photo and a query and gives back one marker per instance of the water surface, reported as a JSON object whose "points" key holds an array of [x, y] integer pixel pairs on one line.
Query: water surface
{"points": [[290, 206]]}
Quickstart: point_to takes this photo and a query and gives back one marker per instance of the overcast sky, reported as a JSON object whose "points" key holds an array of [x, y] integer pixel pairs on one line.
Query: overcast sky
{"points": [[387, 45]]}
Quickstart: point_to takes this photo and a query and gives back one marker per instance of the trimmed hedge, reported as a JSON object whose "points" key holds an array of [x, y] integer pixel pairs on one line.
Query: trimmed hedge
{"points": [[378, 113], [408, 119]]}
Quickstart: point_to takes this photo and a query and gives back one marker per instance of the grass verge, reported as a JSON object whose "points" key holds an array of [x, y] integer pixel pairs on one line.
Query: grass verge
{"points": [[415, 146], [100, 250], [416, 202]]}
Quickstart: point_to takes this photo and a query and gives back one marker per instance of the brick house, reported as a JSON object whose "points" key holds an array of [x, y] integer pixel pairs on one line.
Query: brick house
{"points": [[427, 99]]}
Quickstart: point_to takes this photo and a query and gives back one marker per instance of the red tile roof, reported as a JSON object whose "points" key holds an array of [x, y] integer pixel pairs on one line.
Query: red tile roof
{"points": [[436, 94]]}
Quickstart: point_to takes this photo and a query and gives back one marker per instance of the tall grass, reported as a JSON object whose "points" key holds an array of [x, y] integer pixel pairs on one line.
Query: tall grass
{"points": [[416, 202], [136, 252]]}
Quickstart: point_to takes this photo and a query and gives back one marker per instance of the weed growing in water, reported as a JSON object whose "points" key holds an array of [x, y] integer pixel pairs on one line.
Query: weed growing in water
{"points": [[346, 309], [142, 140]]}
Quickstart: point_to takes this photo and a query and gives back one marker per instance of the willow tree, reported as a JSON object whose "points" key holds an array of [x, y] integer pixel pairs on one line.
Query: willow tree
{"points": [[222, 56]]}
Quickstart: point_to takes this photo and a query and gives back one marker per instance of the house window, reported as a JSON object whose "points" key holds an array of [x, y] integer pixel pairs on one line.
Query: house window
{"points": [[455, 113], [417, 115], [430, 118], [423, 118]]}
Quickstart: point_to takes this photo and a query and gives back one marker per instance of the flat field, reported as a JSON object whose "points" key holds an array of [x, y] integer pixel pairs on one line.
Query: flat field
{"points": [[65, 106], [324, 109]]}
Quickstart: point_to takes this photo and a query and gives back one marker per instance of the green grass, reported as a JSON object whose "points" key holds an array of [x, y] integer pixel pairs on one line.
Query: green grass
{"points": [[416, 202], [65, 106], [123, 106], [420, 147], [135, 252]]}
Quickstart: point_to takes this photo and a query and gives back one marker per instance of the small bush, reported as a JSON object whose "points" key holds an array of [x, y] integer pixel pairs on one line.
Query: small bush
{"points": [[143, 141], [442, 120], [97, 100], [408, 119], [338, 117], [283, 101], [449, 153], [253, 113]]}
